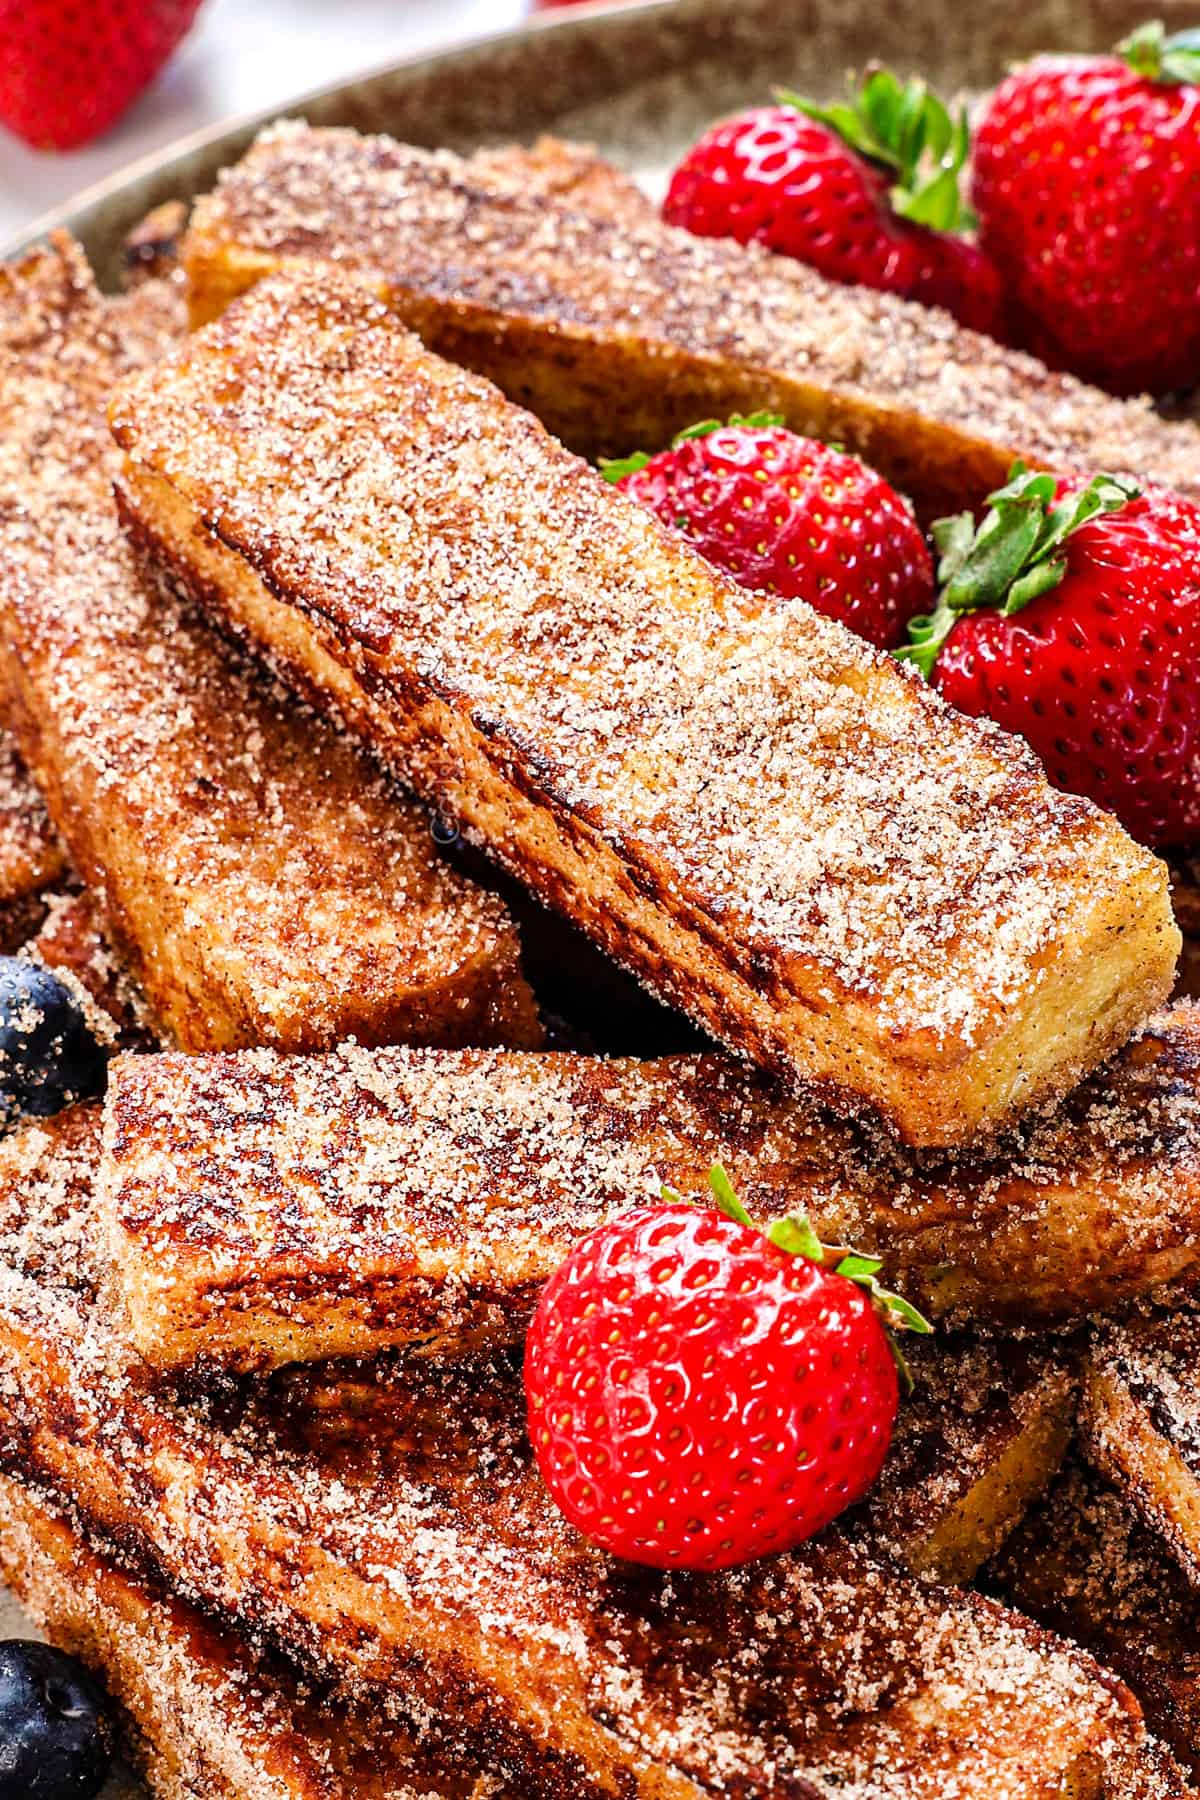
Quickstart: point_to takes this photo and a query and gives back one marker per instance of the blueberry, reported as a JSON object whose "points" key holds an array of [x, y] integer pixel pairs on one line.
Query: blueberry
{"points": [[48, 1055], [56, 1726]]}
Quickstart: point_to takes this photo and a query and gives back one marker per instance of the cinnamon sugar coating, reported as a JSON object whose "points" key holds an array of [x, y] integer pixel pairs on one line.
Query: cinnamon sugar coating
{"points": [[569, 174], [266, 883], [1082, 1563], [1141, 1423], [778, 828], [31, 859], [202, 1705], [204, 1714], [618, 330], [391, 1532], [563, 174], [979, 1438], [262, 1209]]}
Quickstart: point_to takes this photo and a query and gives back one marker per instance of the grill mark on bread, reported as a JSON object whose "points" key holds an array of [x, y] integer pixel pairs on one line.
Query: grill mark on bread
{"points": [[260, 1208], [778, 828], [387, 1531], [266, 882]]}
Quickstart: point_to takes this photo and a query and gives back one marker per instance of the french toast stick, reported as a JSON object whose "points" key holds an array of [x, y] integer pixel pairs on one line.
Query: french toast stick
{"points": [[265, 882], [367, 1199], [405, 1544], [776, 826], [1141, 1423], [568, 174], [31, 858], [1149, 1773], [204, 1717], [979, 1439], [619, 331], [981, 1434], [1082, 1564], [71, 941]]}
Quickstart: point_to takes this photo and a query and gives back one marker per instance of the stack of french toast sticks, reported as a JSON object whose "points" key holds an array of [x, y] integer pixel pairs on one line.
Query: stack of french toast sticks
{"points": [[269, 592]]}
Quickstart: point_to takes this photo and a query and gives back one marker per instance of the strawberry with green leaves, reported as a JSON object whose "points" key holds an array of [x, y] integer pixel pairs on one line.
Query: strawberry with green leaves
{"points": [[786, 515], [702, 1393], [1072, 616], [1087, 184], [866, 191]]}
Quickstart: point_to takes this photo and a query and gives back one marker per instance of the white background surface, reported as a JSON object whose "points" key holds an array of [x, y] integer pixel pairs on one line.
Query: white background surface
{"points": [[243, 55]]}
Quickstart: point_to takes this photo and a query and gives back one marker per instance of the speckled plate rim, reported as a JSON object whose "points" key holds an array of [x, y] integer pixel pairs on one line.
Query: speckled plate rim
{"points": [[660, 67]]}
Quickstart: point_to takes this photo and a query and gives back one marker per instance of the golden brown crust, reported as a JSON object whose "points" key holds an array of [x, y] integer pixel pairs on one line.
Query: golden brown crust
{"points": [[979, 1439], [391, 1532], [204, 1717], [617, 330], [1141, 1423], [773, 824], [266, 883], [262, 1209], [1084, 1565], [31, 857]]}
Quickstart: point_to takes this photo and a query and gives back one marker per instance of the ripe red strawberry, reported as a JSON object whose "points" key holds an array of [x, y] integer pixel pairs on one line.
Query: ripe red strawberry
{"points": [[701, 1394], [1072, 616], [786, 515], [866, 192], [67, 72], [1087, 183]]}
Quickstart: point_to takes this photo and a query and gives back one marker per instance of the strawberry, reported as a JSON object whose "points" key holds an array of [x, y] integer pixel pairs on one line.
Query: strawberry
{"points": [[866, 192], [67, 72], [1072, 616], [786, 515], [1087, 184], [700, 1393]]}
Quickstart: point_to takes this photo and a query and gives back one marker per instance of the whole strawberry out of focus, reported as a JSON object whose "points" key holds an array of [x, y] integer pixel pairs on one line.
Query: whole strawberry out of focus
{"points": [[786, 515], [1087, 184], [68, 71], [1071, 615], [866, 192], [701, 1393]]}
